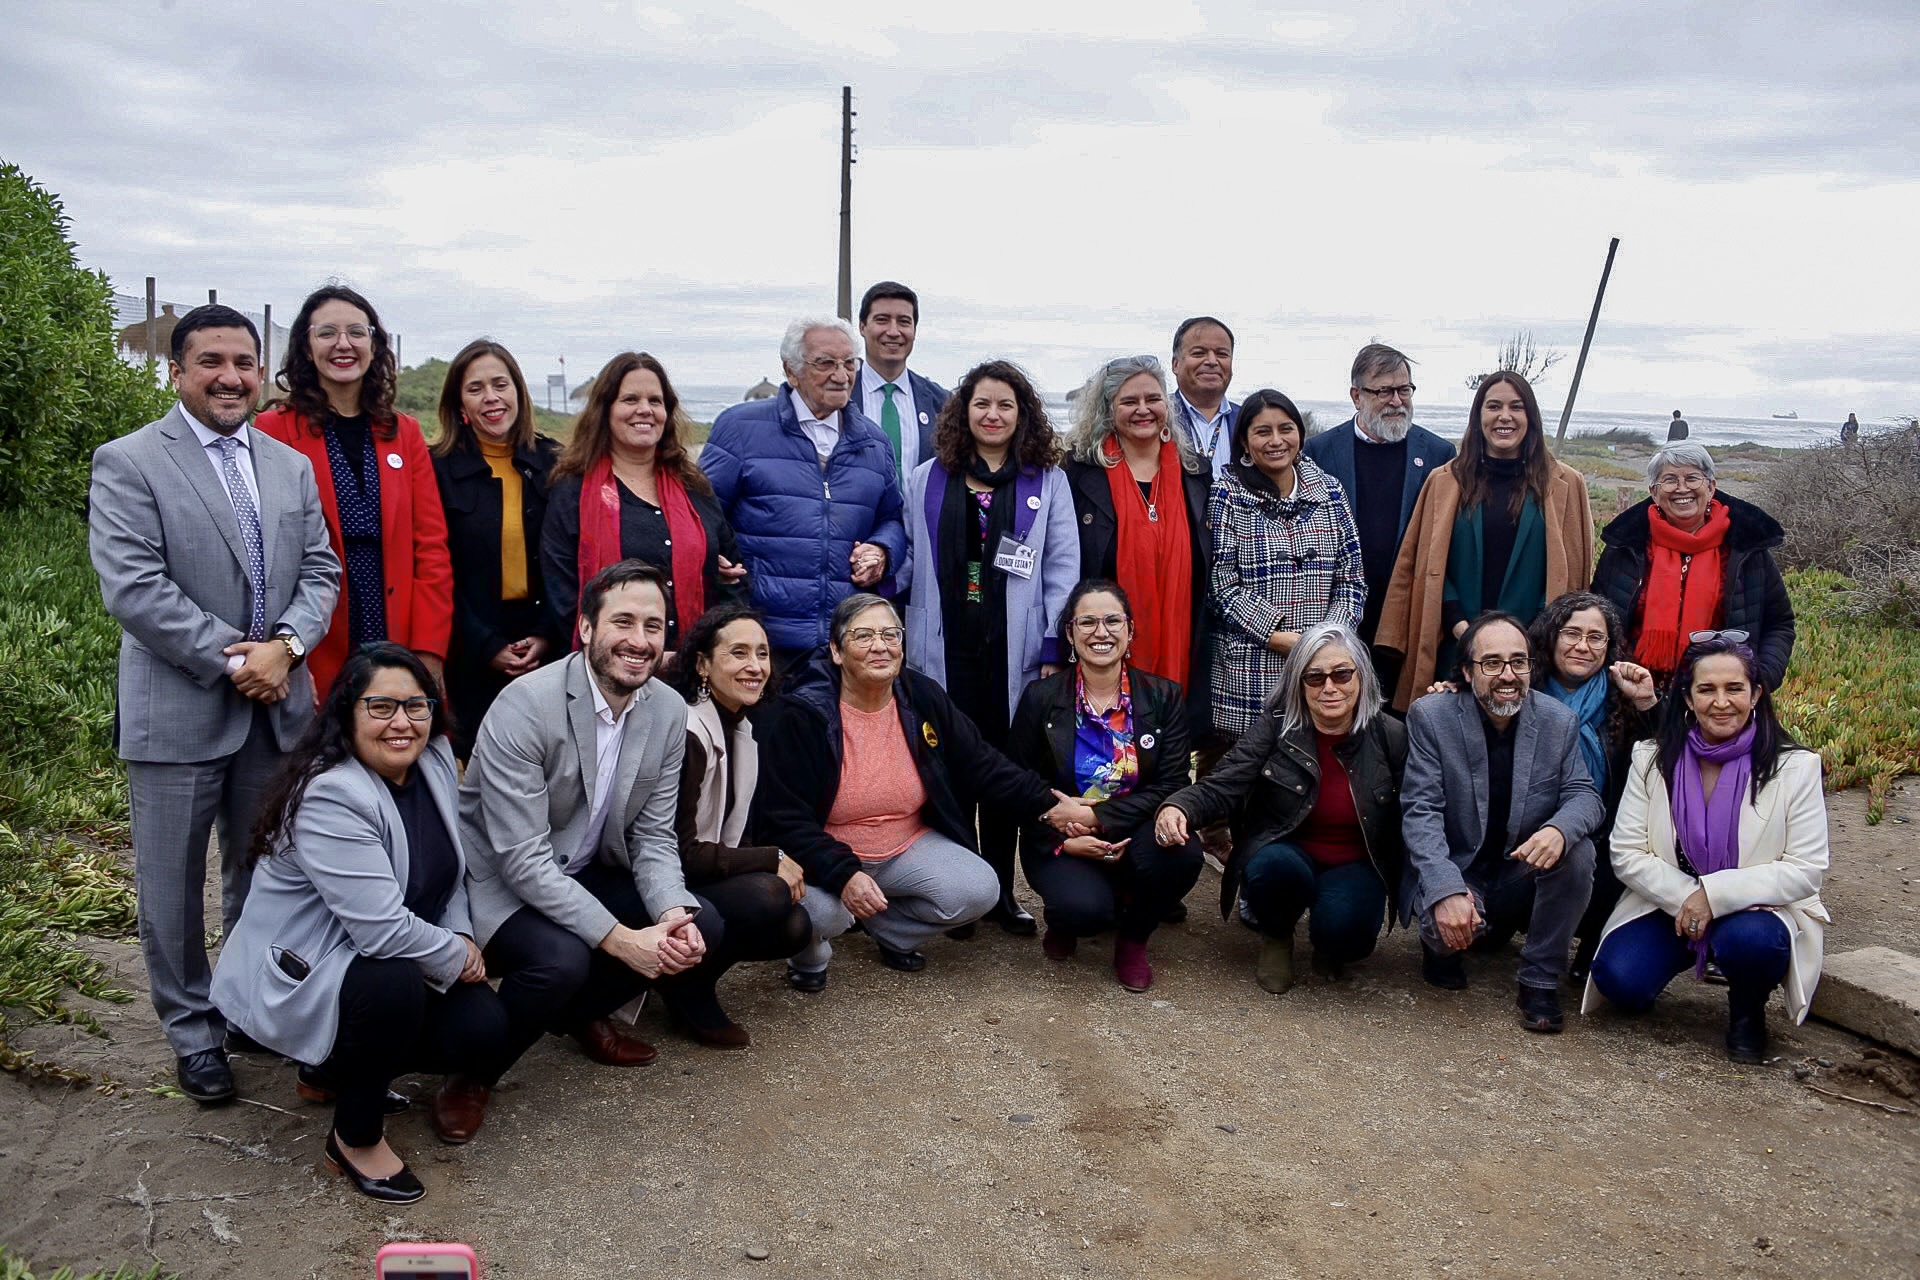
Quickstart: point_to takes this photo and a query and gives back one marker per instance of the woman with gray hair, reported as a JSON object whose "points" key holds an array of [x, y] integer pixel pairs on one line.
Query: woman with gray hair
{"points": [[874, 796], [1141, 498], [1691, 559], [1312, 792]]}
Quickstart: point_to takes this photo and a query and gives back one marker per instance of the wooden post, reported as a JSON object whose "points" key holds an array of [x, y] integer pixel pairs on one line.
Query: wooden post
{"points": [[266, 347], [1580, 365], [153, 326], [213, 296], [846, 202]]}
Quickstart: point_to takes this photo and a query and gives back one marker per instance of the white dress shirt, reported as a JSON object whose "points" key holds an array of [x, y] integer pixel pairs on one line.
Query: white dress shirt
{"points": [[1212, 438], [609, 732], [210, 441], [873, 399], [824, 432]]}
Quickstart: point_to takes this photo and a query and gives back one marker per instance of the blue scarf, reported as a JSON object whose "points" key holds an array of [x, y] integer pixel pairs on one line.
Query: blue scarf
{"points": [[1588, 703]]}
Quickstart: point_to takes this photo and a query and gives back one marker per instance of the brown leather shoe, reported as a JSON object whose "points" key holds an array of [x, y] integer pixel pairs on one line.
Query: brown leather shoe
{"points": [[729, 1035], [459, 1108], [609, 1046]]}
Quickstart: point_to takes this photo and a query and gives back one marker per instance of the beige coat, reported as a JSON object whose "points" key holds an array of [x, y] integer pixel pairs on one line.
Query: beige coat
{"points": [[1410, 619], [1783, 858]]}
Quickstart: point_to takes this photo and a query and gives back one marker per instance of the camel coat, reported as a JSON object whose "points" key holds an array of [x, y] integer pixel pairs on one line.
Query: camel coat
{"points": [[1410, 619], [1783, 859]]}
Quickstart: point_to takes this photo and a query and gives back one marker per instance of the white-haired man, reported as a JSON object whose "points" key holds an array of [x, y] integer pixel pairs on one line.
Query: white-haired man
{"points": [[808, 483]]}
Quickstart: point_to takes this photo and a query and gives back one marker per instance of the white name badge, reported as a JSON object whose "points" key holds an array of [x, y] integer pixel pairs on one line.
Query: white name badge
{"points": [[1014, 557]]}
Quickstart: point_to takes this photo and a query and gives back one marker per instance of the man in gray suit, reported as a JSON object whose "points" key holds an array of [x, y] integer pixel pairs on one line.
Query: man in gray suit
{"points": [[567, 817], [212, 554], [1497, 808]]}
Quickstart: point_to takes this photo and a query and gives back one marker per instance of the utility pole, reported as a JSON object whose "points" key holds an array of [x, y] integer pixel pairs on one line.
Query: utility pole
{"points": [[153, 329], [266, 341], [1580, 365], [846, 201]]}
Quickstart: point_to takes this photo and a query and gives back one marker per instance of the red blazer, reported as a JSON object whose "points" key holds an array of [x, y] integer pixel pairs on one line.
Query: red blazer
{"points": [[413, 541]]}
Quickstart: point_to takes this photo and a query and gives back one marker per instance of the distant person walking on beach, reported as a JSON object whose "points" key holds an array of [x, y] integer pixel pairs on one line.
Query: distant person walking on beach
{"points": [[1850, 429], [902, 403], [1677, 429]]}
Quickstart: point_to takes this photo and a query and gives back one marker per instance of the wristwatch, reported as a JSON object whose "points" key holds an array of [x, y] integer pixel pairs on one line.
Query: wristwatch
{"points": [[296, 651]]}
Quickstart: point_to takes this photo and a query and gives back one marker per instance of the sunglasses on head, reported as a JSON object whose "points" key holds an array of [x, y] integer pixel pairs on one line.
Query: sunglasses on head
{"points": [[1702, 637]]}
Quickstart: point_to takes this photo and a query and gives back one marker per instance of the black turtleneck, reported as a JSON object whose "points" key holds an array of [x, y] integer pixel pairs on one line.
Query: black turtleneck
{"points": [[1498, 523]]}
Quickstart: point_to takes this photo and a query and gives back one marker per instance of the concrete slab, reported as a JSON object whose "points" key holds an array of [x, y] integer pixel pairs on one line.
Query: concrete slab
{"points": [[1873, 992]]}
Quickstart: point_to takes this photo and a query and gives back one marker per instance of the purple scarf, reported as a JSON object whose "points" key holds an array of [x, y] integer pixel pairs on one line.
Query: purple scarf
{"points": [[1709, 830]]}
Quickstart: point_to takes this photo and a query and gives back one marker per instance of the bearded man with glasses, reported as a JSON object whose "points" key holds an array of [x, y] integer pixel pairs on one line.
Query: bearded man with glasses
{"points": [[1381, 459], [1497, 814]]}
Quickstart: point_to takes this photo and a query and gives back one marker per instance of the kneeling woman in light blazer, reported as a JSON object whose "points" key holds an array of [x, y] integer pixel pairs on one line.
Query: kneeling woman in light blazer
{"points": [[995, 552], [1721, 842], [355, 952]]}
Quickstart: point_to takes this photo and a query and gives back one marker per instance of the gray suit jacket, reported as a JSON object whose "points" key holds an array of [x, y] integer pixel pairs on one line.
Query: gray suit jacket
{"points": [[173, 573], [527, 797], [334, 891], [1443, 797]]}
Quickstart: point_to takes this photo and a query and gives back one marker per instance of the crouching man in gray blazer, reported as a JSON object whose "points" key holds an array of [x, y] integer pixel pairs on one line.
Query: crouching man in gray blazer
{"points": [[213, 557], [1497, 809], [566, 814]]}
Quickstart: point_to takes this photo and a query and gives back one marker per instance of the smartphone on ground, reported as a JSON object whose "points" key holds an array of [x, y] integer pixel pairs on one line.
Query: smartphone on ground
{"points": [[407, 1261]]}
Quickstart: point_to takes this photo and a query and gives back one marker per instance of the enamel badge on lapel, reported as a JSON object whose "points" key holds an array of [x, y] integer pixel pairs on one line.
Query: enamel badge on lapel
{"points": [[1033, 502], [393, 460], [926, 732], [1419, 462], [1146, 741]]}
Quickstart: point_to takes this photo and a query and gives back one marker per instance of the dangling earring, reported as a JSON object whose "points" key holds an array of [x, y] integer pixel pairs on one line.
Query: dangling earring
{"points": [[1073, 655], [1166, 434], [1246, 459]]}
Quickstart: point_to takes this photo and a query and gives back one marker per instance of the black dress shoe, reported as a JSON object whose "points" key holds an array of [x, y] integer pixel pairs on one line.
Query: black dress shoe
{"points": [[804, 980], [312, 1086], [399, 1188], [1175, 914], [239, 1041], [904, 961], [205, 1076], [1012, 917], [1747, 1031], [1442, 969], [1540, 1010], [964, 932]]}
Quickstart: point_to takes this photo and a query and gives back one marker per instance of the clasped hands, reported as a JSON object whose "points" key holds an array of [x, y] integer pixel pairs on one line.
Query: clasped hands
{"points": [[674, 945], [262, 673], [867, 561]]}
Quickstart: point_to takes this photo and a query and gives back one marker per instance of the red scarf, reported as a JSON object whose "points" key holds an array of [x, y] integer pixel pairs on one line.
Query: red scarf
{"points": [[1672, 606], [600, 538], [1153, 561]]}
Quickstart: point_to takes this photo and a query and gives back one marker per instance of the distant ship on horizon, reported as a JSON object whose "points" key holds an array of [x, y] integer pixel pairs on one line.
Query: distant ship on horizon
{"points": [[1788, 414]]}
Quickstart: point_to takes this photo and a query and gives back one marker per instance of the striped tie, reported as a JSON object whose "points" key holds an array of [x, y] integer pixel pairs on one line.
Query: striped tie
{"points": [[249, 533]]}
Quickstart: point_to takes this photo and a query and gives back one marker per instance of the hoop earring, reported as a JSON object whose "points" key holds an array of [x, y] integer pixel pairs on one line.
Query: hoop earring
{"points": [[1166, 434], [1246, 459]]}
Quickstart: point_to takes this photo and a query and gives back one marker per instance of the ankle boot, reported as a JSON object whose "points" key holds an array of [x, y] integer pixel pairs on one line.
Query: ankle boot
{"points": [[1747, 1027]]}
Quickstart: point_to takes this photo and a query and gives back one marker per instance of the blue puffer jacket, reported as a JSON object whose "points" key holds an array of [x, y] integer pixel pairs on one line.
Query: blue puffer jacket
{"points": [[797, 524]]}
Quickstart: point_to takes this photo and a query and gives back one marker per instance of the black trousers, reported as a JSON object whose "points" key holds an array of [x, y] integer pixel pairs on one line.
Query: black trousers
{"points": [[1083, 897], [759, 921], [550, 980], [393, 1023], [978, 686]]}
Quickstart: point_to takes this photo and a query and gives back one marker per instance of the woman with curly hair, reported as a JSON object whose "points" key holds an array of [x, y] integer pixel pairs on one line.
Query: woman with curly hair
{"points": [[626, 488], [994, 553], [377, 485]]}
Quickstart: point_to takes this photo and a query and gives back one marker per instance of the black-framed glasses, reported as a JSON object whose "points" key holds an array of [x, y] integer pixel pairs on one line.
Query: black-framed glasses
{"points": [[867, 637], [1086, 624], [1403, 391], [1494, 666], [1701, 637], [328, 332], [418, 710], [1341, 676]]}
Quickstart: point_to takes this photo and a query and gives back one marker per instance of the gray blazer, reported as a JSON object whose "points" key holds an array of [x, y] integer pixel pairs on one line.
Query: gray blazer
{"points": [[527, 797], [173, 573], [334, 890], [1443, 797]]}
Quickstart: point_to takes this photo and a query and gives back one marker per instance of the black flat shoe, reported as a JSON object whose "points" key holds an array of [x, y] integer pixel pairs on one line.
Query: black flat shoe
{"points": [[1443, 970], [1013, 917], [205, 1077], [1540, 1010], [963, 933], [904, 961], [802, 980], [400, 1188], [314, 1087]]}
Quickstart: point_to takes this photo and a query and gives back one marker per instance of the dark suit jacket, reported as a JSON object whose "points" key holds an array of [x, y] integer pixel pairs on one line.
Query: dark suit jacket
{"points": [[929, 397], [173, 572], [471, 496], [1426, 453]]}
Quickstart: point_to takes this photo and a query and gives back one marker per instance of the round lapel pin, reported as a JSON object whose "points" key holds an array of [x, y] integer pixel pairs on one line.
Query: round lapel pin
{"points": [[393, 460]]}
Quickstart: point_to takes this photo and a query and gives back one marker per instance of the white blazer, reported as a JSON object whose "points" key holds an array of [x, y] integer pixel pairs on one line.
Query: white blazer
{"points": [[1783, 858]]}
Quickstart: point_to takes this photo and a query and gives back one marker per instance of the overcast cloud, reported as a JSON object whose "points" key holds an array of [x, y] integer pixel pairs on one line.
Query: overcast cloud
{"points": [[1061, 182]]}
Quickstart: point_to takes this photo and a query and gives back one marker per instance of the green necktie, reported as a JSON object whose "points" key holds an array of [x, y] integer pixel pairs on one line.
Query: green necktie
{"points": [[890, 421]]}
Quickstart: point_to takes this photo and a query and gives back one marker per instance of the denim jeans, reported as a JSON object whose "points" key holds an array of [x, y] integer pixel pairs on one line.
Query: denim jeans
{"points": [[1347, 904]]}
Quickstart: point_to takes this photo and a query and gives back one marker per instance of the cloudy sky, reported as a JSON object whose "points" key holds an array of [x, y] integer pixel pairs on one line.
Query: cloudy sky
{"points": [[1062, 182]]}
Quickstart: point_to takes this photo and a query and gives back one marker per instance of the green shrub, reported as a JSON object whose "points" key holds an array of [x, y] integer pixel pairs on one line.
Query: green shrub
{"points": [[15, 1267], [63, 390]]}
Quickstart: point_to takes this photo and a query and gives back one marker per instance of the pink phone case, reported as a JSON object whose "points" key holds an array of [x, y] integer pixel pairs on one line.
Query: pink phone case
{"points": [[396, 1253]]}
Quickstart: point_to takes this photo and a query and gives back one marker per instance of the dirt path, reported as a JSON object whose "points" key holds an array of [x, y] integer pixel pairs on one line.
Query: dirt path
{"points": [[1002, 1115]]}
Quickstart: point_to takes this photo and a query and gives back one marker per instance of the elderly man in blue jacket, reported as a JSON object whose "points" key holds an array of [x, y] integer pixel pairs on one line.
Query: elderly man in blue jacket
{"points": [[808, 483]]}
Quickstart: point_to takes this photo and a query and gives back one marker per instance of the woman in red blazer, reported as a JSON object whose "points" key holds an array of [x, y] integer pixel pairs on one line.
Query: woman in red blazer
{"points": [[376, 482]]}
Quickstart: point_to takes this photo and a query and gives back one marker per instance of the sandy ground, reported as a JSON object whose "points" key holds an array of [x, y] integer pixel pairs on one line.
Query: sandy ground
{"points": [[1000, 1114]]}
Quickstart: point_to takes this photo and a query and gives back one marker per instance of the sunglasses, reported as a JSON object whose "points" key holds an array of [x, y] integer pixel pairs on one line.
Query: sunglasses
{"points": [[1342, 676], [1702, 637]]}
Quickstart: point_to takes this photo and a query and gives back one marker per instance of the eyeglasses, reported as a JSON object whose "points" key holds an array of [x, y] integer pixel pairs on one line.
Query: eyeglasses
{"points": [[417, 709], [1341, 676], [1702, 637], [328, 332], [1086, 624], [1691, 480], [827, 364], [867, 637], [1494, 666], [1574, 635], [1402, 392]]}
